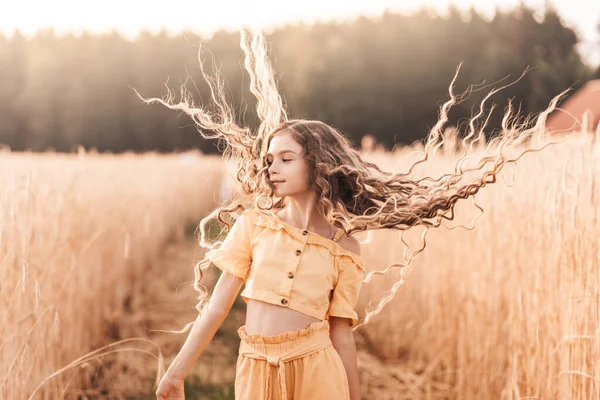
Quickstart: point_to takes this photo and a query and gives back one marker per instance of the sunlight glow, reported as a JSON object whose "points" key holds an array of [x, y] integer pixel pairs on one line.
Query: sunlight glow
{"points": [[205, 17]]}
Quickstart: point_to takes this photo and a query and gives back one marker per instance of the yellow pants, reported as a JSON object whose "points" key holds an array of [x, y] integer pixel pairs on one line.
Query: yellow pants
{"points": [[299, 365]]}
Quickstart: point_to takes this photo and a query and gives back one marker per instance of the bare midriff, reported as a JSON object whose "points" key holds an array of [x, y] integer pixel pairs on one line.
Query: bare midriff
{"points": [[270, 319]]}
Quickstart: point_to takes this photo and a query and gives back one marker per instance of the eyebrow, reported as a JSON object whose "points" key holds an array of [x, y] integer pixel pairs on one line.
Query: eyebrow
{"points": [[283, 151]]}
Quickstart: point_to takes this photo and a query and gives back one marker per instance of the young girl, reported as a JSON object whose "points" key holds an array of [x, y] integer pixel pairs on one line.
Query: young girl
{"points": [[309, 191], [302, 275]]}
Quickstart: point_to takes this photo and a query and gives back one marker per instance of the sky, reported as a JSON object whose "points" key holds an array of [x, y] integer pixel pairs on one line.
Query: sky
{"points": [[205, 17]]}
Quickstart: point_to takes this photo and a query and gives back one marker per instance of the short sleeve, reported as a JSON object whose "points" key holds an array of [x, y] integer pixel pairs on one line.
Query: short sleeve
{"points": [[235, 253], [346, 290]]}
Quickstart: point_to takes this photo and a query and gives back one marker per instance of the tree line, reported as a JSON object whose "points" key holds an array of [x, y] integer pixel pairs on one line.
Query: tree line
{"points": [[384, 76]]}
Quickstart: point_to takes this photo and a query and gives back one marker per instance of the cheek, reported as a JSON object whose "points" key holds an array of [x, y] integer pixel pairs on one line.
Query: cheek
{"points": [[304, 175]]}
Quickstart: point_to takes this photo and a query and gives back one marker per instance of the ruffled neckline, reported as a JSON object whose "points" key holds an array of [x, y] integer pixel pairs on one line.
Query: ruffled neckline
{"points": [[271, 220]]}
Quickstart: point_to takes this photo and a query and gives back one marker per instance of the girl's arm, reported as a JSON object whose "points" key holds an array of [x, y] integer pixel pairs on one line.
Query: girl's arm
{"points": [[206, 325], [342, 338]]}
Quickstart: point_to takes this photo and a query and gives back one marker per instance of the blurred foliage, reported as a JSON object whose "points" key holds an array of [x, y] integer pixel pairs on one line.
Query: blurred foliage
{"points": [[195, 389], [384, 76], [214, 229]]}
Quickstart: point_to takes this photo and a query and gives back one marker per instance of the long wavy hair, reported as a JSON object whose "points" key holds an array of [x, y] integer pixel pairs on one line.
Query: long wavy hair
{"points": [[353, 194]]}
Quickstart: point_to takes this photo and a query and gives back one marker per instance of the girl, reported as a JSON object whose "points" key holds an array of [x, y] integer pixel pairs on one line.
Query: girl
{"points": [[307, 191]]}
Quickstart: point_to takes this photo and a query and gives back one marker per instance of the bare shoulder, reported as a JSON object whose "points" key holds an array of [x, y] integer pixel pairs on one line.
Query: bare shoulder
{"points": [[350, 243]]}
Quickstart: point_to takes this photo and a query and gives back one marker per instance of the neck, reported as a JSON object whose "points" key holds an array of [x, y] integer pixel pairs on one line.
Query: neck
{"points": [[303, 213]]}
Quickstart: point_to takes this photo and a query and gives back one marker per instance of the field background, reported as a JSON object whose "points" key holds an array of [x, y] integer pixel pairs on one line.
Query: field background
{"points": [[97, 249], [101, 193]]}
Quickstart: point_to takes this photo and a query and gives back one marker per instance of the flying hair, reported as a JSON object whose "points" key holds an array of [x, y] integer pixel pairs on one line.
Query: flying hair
{"points": [[353, 194]]}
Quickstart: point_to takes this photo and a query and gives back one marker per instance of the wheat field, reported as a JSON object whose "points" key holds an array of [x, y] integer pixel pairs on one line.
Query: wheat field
{"points": [[77, 233], [507, 310], [510, 309]]}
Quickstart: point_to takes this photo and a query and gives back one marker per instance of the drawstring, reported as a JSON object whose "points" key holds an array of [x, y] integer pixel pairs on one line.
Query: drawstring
{"points": [[303, 348], [276, 361]]}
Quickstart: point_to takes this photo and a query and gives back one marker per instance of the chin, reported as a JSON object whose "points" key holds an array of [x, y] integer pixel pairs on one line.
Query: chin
{"points": [[281, 193]]}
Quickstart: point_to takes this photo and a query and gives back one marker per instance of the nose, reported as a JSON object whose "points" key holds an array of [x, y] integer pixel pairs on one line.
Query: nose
{"points": [[272, 171]]}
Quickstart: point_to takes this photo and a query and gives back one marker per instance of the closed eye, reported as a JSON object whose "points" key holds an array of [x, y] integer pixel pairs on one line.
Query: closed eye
{"points": [[269, 162]]}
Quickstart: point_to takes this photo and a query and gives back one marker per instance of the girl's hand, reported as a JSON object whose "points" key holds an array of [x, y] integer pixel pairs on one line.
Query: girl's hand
{"points": [[170, 388]]}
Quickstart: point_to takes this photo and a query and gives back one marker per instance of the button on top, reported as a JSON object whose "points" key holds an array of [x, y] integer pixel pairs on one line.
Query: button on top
{"points": [[305, 232], [283, 301], [290, 275], [298, 252]]}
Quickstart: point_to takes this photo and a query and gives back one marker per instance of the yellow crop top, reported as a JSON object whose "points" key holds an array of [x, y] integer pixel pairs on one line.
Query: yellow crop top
{"points": [[290, 267]]}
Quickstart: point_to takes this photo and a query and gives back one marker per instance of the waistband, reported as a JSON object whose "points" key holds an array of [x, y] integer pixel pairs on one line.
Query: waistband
{"points": [[282, 348], [285, 336]]}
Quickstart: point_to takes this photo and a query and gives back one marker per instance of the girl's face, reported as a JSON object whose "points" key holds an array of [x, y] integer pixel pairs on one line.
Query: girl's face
{"points": [[288, 169]]}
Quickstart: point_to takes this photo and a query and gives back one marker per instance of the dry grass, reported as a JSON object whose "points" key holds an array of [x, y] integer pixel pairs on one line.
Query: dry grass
{"points": [[508, 310], [77, 235]]}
